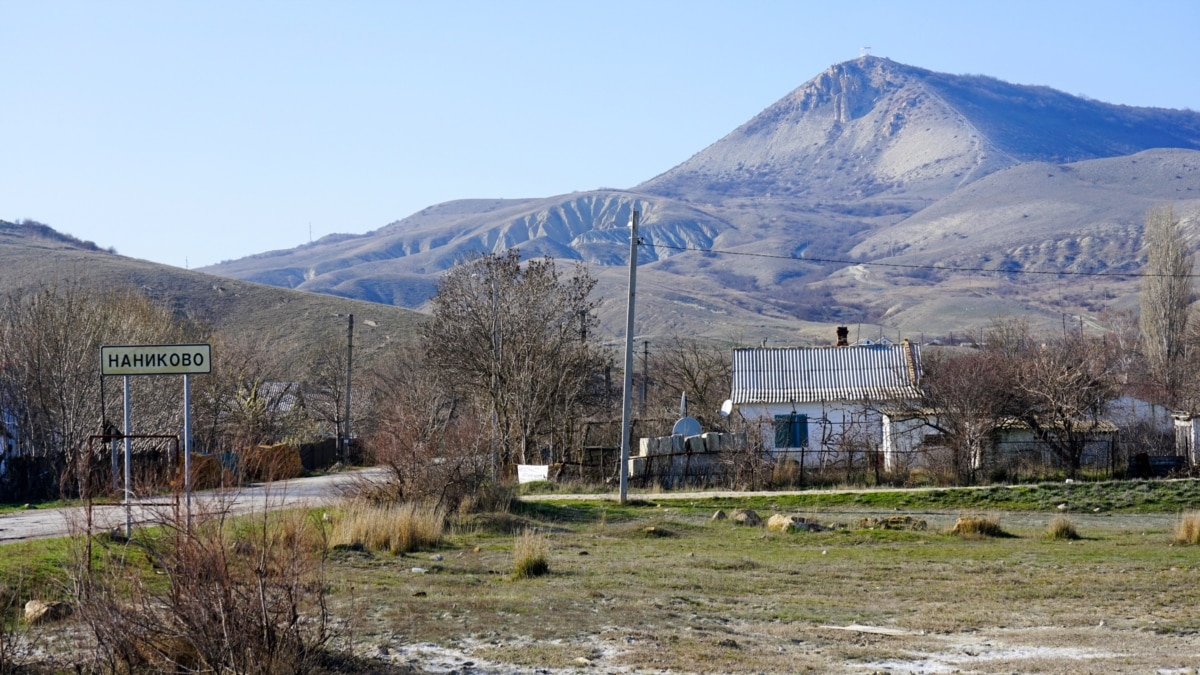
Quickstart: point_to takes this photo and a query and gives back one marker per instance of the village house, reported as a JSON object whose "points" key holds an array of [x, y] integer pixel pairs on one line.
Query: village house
{"points": [[1126, 424], [826, 406]]}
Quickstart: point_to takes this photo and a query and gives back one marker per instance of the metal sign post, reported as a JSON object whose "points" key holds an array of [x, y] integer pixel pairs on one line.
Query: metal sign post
{"points": [[187, 446], [128, 360], [128, 461]]}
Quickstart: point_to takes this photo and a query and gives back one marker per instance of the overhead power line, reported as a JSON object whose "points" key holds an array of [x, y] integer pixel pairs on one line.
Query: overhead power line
{"points": [[940, 268]]}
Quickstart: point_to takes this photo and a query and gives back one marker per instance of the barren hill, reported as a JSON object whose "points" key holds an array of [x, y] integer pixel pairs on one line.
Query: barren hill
{"points": [[34, 255], [869, 162]]}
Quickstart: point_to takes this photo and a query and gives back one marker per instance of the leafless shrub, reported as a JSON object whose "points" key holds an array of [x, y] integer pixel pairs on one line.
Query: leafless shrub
{"points": [[271, 462], [489, 498], [232, 596], [432, 448], [746, 463], [16, 647], [786, 473]]}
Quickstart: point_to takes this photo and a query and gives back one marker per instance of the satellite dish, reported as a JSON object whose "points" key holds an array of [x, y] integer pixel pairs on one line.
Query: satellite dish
{"points": [[727, 408], [686, 426]]}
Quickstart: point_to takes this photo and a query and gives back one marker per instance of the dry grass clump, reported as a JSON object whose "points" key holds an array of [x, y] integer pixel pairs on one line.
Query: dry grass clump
{"points": [[1188, 529], [978, 527], [529, 556], [1062, 528], [397, 528]]}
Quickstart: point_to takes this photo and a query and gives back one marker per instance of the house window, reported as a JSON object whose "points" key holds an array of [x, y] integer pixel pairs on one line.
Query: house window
{"points": [[791, 431]]}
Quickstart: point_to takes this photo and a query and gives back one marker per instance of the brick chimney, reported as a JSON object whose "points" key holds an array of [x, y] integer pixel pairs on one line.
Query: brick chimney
{"points": [[843, 334]]}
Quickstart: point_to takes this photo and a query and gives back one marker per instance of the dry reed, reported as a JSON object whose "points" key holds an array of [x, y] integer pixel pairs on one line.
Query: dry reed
{"points": [[400, 528], [1188, 529], [529, 556], [1062, 528]]}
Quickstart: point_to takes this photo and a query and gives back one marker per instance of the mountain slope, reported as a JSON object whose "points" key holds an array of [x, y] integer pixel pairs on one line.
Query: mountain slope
{"points": [[589, 227], [870, 161]]}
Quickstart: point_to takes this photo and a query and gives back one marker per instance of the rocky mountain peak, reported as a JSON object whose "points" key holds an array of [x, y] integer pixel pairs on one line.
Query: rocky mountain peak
{"points": [[851, 88], [872, 127]]}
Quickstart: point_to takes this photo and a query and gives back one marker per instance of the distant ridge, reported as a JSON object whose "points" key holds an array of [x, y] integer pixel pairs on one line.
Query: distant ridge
{"points": [[31, 230]]}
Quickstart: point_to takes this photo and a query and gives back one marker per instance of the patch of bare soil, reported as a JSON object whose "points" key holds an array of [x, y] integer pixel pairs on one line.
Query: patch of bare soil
{"points": [[1049, 649]]}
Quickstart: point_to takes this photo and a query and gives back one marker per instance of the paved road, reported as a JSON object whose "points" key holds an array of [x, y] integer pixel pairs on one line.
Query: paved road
{"points": [[314, 491]]}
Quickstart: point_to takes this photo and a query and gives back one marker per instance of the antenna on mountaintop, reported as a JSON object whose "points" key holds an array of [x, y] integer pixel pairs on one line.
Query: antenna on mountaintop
{"points": [[864, 51]]}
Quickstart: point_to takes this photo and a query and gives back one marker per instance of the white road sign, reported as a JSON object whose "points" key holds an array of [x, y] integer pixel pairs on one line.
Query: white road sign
{"points": [[156, 360]]}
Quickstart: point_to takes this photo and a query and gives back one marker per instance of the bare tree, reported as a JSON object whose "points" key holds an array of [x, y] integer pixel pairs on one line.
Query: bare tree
{"points": [[518, 337], [50, 376], [1062, 389], [966, 396], [249, 398], [325, 389], [701, 370], [1165, 300]]}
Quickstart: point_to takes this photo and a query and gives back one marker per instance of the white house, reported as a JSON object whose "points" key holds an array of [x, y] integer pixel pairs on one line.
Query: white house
{"points": [[822, 405]]}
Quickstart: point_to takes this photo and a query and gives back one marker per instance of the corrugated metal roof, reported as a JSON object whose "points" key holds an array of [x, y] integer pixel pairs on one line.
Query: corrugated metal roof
{"points": [[810, 375]]}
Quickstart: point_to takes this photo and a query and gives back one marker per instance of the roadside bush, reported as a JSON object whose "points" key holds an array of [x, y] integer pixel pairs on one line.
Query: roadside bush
{"points": [[1188, 529], [397, 528], [430, 455], [271, 462], [529, 556], [232, 596], [1061, 528]]}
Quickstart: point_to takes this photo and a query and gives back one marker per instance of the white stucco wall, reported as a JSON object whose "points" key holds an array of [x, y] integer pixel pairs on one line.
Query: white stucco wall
{"points": [[831, 428]]}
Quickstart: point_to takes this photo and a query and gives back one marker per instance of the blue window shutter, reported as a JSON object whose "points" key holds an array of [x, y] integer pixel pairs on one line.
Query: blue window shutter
{"points": [[799, 431], [791, 431]]}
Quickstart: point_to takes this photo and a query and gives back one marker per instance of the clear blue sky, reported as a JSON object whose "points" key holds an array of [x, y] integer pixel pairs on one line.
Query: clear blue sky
{"points": [[189, 132]]}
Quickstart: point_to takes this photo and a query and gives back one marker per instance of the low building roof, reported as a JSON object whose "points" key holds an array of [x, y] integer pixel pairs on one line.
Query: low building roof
{"points": [[811, 375]]}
